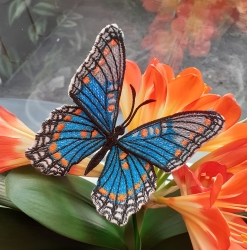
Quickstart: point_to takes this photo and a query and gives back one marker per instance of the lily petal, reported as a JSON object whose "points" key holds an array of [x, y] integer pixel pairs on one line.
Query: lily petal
{"points": [[224, 154], [228, 107], [208, 229], [204, 232], [234, 186], [236, 132], [205, 102], [80, 168], [199, 212], [10, 124], [132, 76], [190, 185], [192, 88]]}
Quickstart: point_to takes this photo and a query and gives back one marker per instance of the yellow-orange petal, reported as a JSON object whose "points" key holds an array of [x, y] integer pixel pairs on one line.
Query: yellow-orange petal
{"points": [[13, 123], [146, 89], [238, 232], [238, 168], [228, 107], [191, 70], [12, 153], [221, 154], [79, 169], [236, 132], [165, 70], [132, 76], [207, 89], [204, 232], [167, 73], [152, 110], [234, 186], [204, 102], [182, 91], [235, 246]]}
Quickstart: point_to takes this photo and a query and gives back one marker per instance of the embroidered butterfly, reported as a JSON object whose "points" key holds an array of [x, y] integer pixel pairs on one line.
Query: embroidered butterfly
{"points": [[72, 133]]}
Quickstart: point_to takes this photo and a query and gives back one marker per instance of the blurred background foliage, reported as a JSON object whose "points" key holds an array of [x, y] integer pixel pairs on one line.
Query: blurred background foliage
{"points": [[29, 23], [190, 25], [42, 43]]}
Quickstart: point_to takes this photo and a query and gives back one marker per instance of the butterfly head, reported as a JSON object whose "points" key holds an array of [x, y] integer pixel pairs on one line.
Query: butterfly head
{"points": [[119, 130]]}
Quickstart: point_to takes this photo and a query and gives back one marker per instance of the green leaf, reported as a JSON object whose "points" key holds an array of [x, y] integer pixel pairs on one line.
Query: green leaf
{"points": [[160, 224], [40, 26], [16, 8], [76, 41], [33, 35], [27, 69], [6, 68], [62, 204], [181, 241], [68, 24], [75, 16], [60, 18], [18, 231], [4, 200], [44, 9], [37, 29], [13, 55]]}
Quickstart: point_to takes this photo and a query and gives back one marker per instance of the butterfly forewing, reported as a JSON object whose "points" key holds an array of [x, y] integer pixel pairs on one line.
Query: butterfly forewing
{"points": [[64, 139], [97, 84], [125, 184], [168, 142]]}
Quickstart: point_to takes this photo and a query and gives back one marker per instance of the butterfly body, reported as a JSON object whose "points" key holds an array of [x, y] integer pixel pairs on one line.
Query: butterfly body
{"points": [[111, 140], [72, 133]]}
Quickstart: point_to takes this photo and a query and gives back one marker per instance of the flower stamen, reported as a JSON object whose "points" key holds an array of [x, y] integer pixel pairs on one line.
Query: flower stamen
{"points": [[224, 205], [237, 225], [235, 215]]}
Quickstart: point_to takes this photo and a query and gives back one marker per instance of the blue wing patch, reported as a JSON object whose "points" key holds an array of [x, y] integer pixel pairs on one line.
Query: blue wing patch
{"points": [[168, 142], [97, 84], [64, 139], [125, 184]]}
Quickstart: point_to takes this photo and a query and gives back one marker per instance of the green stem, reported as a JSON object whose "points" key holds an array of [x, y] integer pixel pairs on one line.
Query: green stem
{"points": [[159, 173], [170, 184], [136, 232], [162, 179]]}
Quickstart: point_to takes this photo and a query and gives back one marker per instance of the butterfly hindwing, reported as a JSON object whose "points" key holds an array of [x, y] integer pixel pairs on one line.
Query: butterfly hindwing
{"points": [[97, 84], [125, 184], [64, 139], [168, 142]]}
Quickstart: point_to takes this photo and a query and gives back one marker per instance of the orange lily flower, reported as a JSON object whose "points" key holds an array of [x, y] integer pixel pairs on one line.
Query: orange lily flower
{"points": [[184, 93], [232, 197], [16, 137], [208, 195], [196, 205]]}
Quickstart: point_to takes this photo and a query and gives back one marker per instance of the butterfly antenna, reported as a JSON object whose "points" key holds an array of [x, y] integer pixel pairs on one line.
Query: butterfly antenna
{"points": [[133, 104], [142, 104]]}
